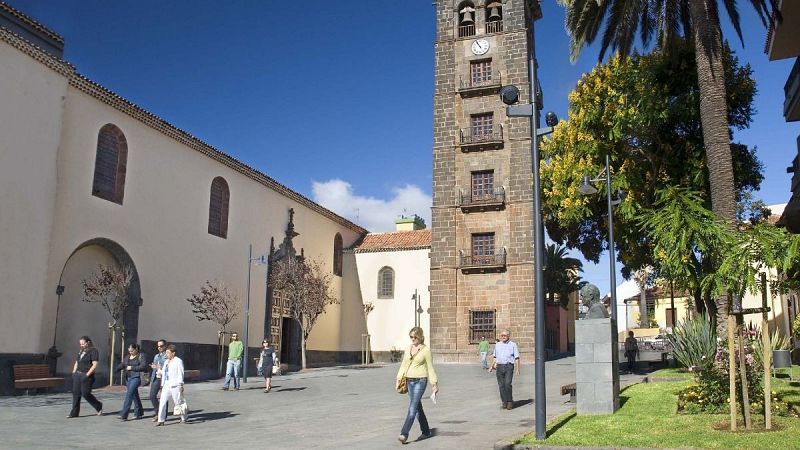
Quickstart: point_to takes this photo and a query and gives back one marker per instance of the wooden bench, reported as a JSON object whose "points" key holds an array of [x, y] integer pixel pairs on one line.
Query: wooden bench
{"points": [[191, 374], [571, 389], [34, 376]]}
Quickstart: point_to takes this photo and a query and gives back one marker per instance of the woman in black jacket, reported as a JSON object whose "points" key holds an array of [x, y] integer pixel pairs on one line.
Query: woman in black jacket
{"points": [[134, 366]]}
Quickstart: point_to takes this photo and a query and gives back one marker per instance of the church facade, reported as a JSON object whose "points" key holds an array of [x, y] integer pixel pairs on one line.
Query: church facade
{"points": [[89, 178]]}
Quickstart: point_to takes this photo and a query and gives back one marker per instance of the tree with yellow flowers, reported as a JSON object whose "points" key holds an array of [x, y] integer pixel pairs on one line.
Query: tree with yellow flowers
{"points": [[644, 112]]}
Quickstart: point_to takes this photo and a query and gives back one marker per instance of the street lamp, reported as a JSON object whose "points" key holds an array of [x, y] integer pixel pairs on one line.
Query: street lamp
{"points": [[261, 260], [510, 96], [586, 188]]}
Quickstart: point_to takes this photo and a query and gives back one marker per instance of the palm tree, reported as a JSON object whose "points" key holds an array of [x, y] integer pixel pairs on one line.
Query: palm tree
{"points": [[668, 21], [561, 274]]}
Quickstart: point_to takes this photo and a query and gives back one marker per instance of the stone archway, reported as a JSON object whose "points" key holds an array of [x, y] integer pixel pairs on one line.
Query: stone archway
{"points": [[76, 318]]}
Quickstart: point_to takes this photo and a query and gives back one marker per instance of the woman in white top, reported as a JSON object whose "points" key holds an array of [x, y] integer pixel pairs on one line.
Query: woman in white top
{"points": [[172, 376]]}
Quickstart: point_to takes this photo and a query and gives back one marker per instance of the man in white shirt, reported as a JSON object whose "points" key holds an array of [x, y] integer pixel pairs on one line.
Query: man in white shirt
{"points": [[172, 385], [506, 360]]}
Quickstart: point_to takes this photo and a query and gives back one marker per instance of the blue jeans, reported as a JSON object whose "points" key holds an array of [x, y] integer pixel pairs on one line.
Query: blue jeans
{"points": [[484, 364], [232, 369], [132, 396], [415, 390]]}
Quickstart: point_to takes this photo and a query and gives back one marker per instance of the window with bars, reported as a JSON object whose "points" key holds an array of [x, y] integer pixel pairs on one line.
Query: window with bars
{"points": [[480, 72], [110, 164], [337, 255], [218, 208], [482, 185], [481, 324], [386, 283], [481, 125]]}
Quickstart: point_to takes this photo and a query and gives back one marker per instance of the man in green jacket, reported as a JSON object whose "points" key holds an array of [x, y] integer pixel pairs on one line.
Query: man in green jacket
{"points": [[483, 350], [235, 351]]}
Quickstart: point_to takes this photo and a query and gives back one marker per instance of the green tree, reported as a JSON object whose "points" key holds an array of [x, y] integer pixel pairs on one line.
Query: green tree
{"points": [[561, 274], [643, 111], [686, 236], [668, 21]]}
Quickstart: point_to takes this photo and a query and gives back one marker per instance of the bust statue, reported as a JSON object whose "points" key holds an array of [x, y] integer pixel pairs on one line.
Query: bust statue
{"points": [[590, 296]]}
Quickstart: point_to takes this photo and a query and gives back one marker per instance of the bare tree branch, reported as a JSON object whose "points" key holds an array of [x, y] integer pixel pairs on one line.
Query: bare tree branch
{"points": [[109, 287]]}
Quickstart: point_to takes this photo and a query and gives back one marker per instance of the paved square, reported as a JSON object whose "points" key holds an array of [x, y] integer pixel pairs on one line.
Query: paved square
{"points": [[339, 407]]}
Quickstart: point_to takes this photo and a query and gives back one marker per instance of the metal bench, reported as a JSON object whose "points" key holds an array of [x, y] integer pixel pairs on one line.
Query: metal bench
{"points": [[34, 376], [571, 389]]}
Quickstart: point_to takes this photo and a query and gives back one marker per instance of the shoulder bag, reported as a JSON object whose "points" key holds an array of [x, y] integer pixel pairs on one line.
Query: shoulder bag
{"points": [[402, 385]]}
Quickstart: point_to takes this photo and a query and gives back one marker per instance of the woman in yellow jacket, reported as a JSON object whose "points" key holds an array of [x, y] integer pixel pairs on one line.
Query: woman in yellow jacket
{"points": [[417, 367]]}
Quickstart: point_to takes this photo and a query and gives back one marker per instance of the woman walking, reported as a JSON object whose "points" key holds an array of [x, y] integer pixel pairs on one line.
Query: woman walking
{"points": [[134, 365], [83, 378], [172, 386], [417, 369], [265, 363]]}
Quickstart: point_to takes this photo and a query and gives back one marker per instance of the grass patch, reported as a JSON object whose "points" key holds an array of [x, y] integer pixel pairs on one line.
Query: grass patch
{"points": [[648, 418], [672, 372]]}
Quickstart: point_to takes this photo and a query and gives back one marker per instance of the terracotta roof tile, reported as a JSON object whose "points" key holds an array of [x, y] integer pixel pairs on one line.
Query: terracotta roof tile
{"points": [[397, 240]]}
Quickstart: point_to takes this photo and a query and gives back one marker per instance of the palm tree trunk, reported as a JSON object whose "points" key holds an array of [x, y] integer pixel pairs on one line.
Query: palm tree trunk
{"points": [[714, 119]]}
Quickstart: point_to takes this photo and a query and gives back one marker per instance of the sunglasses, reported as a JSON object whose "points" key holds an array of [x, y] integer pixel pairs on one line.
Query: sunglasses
{"points": [[413, 337]]}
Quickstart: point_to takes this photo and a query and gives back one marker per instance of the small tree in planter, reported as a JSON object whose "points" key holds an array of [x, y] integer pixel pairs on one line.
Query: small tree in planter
{"points": [[110, 287], [306, 290], [215, 302], [368, 308]]}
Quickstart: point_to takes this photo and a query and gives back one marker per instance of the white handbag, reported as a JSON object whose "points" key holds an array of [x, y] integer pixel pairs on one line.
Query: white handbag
{"points": [[181, 409]]}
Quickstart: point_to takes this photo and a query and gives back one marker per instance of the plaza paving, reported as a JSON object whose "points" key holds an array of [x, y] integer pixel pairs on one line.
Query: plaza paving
{"points": [[338, 407]]}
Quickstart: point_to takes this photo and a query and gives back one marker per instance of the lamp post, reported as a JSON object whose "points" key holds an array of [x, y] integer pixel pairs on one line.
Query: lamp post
{"points": [[261, 260], [510, 96], [586, 188]]}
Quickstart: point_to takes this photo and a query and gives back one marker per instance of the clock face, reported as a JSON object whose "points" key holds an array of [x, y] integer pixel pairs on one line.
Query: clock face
{"points": [[480, 46]]}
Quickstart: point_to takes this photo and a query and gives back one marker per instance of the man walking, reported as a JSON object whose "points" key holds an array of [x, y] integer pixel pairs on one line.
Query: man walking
{"points": [[506, 360], [155, 376], [235, 351], [483, 351], [631, 351]]}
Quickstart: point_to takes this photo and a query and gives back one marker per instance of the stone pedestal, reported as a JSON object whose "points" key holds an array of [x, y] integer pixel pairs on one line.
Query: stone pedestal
{"points": [[596, 366]]}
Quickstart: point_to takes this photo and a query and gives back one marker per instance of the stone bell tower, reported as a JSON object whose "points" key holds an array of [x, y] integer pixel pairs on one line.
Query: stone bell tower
{"points": [[482, 267]]}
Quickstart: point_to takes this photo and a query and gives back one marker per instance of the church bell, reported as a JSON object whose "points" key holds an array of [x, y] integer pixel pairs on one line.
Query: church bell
{"points": [[467, 15], [494, 12]]}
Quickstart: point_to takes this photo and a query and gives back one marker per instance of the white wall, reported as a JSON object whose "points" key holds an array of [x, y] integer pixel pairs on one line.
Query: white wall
{"points": [[31, 97], [390, 321]]}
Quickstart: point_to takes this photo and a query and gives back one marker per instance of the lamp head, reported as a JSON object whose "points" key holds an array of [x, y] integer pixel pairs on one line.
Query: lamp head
{"points": [[509, 94], [551, 119], [586, 187]]}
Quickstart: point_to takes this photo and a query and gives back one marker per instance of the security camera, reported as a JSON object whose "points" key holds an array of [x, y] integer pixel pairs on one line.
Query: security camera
{"points": [[509, 94], [551, 119]]}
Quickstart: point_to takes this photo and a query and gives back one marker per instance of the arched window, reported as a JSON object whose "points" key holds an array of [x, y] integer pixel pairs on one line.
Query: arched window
{"points": [[218, 208], [386, 283], [337, 255], [110, 164]]}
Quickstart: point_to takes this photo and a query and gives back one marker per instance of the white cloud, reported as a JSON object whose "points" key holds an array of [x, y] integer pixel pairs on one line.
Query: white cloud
{"points": [[374, 214]]}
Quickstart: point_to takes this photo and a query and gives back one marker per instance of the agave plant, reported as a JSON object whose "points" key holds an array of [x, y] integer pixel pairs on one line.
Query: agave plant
{"points": [[694, 342]]}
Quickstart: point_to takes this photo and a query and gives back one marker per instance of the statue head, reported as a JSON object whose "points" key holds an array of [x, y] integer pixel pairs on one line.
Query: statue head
{"points": [[590, 296]]}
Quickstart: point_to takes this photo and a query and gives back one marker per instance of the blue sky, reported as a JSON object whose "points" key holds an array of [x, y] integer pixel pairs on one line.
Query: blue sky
{"points": [[335, 99]]}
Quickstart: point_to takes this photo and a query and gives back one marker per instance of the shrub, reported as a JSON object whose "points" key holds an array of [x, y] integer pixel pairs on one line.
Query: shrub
{"points": [[694, 342]]}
